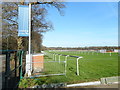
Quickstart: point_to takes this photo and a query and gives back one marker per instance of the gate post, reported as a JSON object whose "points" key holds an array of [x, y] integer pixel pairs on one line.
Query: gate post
{"points": [[15, 59], [78, 65], [7, 68], [53, 56], [59, 58], [20, 63], [66, 64]]}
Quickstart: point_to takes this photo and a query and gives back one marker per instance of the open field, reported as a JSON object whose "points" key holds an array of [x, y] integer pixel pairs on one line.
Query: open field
{"points": [[92, 67]]}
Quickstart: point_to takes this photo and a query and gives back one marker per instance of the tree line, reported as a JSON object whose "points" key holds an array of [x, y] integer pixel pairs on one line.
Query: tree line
{"points": [[40, 25], [82, 48]]}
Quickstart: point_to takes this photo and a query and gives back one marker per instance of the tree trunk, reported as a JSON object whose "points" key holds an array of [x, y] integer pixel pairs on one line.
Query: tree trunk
{"points": [[19, 41]]}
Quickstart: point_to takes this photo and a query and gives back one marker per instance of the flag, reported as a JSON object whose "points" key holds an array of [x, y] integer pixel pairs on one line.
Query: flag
{"points": [[23, 21]]}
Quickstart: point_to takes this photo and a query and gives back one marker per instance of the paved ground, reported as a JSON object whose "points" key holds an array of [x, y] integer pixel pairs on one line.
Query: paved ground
{"points": [[100, 86], [108, 86]]}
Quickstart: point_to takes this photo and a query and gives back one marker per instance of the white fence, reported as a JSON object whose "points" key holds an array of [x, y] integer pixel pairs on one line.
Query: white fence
{"points": [[54, 56]]}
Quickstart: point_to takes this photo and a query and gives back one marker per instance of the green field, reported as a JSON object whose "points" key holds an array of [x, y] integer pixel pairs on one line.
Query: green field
{"points": [[92, 67]]}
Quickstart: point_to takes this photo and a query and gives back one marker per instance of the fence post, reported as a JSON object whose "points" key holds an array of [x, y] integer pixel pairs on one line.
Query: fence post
{"points": [[15, 59], [66, 64], [20, 64], [78, 65], [110, 53], [66, 57], [55, 57], [50, 55], [59, 58], [7, 69]]}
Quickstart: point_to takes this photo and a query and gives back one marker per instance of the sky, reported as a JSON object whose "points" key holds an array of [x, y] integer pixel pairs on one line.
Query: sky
{"points": [[84, 24]]}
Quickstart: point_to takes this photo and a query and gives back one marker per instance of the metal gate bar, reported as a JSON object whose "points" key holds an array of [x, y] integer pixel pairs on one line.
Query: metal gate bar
{"points": [[11, 79]]}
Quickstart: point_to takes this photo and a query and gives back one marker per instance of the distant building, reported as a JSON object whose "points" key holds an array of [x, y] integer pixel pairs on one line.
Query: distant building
{"points": [[102, 51], [116, 50]]}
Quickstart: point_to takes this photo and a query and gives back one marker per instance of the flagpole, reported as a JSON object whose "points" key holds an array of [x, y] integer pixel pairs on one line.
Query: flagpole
{"points": [[29, 48]]}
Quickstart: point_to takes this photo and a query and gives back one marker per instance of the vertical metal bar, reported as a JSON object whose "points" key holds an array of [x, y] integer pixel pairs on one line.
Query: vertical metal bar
{"points": [[20, 64], [66, 64], [55, 56], [18, 56], [7, 69], [65, 67], [15, 59], [29, 48], [110, 53], [59, 58], [51, 55], [77, 67]]}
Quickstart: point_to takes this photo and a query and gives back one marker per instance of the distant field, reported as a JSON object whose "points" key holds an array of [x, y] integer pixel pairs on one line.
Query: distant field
{"points": [[92, 66]]}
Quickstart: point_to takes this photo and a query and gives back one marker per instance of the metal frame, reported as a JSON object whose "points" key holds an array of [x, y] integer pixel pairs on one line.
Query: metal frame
{"points": [[77, 62], [8, 72]]}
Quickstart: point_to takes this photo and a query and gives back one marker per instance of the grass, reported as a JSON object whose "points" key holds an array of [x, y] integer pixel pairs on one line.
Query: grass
{"points": [[92, 66], [50, 66]]}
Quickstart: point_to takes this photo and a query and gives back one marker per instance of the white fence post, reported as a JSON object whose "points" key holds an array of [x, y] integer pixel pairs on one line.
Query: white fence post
{"points": [[50, 55], [110, 53], [55, 57], [78, 65], [66, 57], [66, 64], [59, 58]]}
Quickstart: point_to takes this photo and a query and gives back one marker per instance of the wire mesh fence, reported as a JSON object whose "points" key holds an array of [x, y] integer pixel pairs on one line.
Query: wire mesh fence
{"points": [[71, 62], [55, 64], [49, 66]]}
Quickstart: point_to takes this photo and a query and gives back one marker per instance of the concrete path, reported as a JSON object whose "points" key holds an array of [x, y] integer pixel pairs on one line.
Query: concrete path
{"points": [[107, 86], [107, 82], [99, 86]]}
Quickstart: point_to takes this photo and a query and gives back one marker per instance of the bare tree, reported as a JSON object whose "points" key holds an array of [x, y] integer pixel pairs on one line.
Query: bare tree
{"points": [[39, 23]]}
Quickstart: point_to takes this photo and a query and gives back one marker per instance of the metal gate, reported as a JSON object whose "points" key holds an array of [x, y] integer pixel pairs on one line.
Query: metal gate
{"points": [[12, 68], [53, 64], [48, 67]]}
